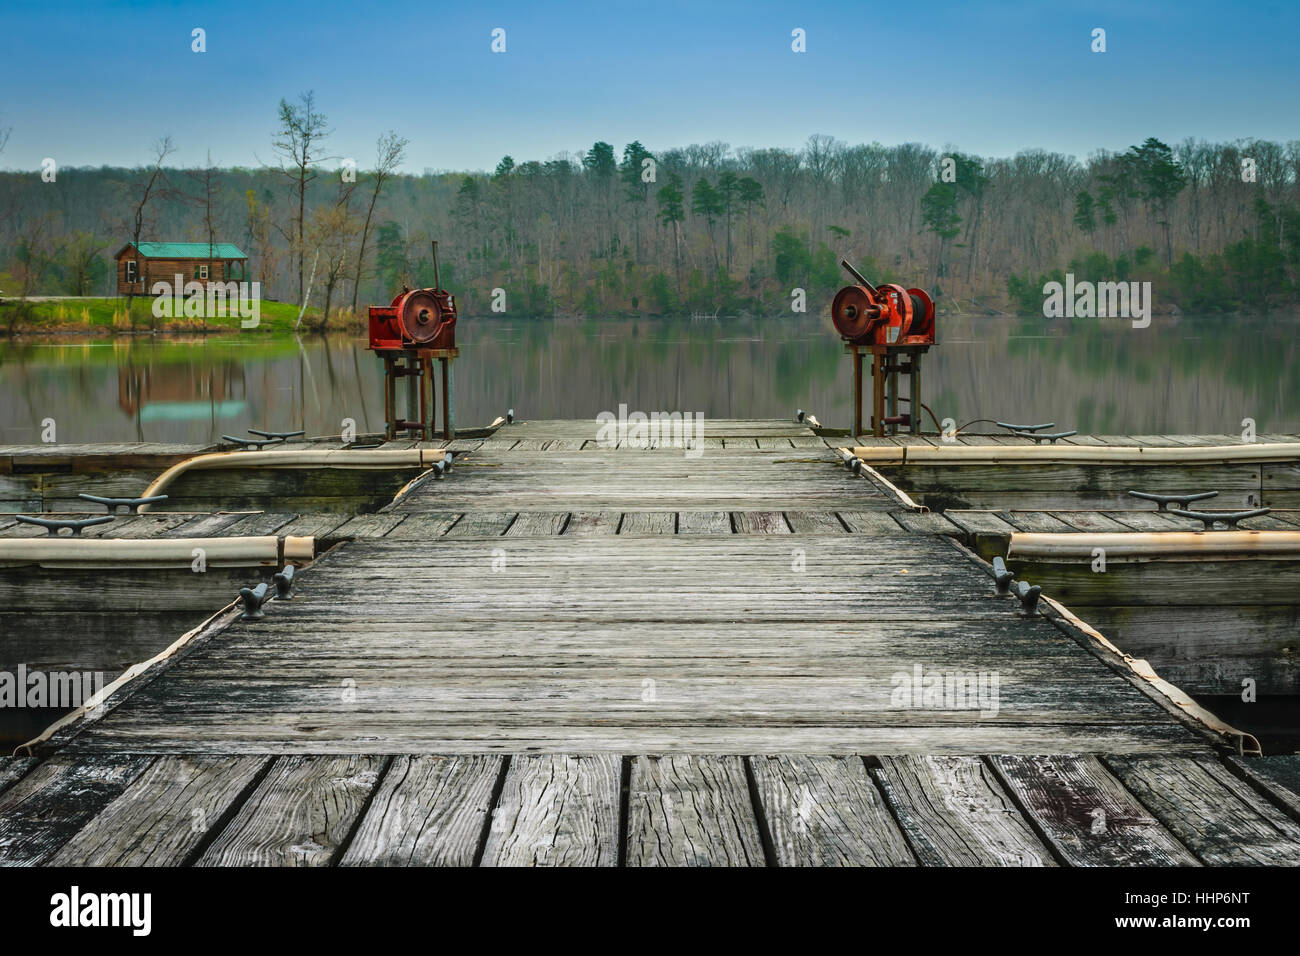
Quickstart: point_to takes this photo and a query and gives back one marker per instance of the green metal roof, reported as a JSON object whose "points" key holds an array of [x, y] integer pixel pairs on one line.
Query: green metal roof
{"points": [[188, 250]]}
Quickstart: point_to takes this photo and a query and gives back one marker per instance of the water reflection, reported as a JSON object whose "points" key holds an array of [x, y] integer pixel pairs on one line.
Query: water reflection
{"points": [[1187, 374]]}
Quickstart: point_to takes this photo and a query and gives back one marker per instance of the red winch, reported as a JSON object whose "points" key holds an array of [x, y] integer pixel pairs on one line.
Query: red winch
{"points": [[417, 319], [887, 314], [418, 328], [889, 323]]}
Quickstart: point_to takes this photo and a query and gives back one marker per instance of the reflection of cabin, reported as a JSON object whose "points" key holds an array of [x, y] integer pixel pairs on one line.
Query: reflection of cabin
{"points": [[178, 384], [139, 267]]}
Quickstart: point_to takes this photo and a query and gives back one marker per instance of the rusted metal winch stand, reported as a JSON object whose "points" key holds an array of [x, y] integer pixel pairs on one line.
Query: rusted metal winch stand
{"points": [[417, 367], [417, 329], [888, 323]]}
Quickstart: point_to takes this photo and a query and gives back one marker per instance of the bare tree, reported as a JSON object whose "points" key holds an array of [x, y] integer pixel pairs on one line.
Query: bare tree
{"points": [[298, 140], [152, 184], [207, 187], [333, 229], [389, 151]]}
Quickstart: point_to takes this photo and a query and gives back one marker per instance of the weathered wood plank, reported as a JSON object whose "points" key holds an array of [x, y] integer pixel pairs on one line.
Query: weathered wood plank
{"points": [[368, 526], [759, 522], [1036, 521], [256, 525], [1246, 581], [926, 522], [1216, 815], [1278, 775], [429, 811], [313, 525], [205, 526], [1091, 521], [531, 524], [954, 812], [826, 811], [980, 522], [704, 522], [815, 522], [12, 769], [872, 522], [164, 815], [425, 524], [299, 815], [592, 522], [556, 810], [1209, 649], [648, 522], [1086, 813], [46, 808], [481, 524], [691, 811]]}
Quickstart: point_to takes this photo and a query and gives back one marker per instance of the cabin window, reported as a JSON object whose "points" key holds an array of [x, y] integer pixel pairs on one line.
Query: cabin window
{"points": [[130, 270], [202, 271]]}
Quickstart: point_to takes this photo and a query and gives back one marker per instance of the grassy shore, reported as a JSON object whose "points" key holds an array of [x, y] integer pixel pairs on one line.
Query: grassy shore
{"points": [[110, 316]]}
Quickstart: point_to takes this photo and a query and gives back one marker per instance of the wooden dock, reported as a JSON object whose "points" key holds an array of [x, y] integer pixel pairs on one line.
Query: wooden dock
{"points": [[567, 654]]}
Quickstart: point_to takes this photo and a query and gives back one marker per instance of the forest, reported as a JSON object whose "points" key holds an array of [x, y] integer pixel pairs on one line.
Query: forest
{"points": [[688, 230]]}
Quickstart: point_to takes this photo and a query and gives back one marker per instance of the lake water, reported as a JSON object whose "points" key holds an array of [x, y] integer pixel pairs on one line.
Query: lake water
{"points": [[1191, 374]]}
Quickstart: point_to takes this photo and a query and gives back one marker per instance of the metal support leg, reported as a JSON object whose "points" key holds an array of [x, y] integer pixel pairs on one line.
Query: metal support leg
{"points": [[412, 394], [448, 406], [428, 389], [893, 396], [878, 394], [914, 392], [390, 399], [857, 391]]}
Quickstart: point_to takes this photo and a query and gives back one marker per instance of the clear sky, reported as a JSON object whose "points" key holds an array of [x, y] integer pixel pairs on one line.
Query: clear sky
{"points": [[96, 83]]}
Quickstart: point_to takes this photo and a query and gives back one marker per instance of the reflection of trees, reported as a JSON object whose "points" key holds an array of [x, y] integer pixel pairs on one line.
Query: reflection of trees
{"points": [[1103, 376]]}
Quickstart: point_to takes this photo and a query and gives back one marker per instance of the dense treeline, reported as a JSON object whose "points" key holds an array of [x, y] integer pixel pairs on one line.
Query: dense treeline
{"points": [[699, 229]]}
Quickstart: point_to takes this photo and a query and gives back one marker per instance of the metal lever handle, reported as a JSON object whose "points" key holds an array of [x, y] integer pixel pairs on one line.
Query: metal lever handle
{"points": [[1180, 500], [1230, 518], [55, 525], [131, 504]]}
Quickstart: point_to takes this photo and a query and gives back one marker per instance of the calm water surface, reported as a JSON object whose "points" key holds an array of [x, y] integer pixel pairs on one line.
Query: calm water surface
{"points": [[1189, 374]]}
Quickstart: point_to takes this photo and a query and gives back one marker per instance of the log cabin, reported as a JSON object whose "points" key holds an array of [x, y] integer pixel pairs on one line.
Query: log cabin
{"points": [[139, 266]]}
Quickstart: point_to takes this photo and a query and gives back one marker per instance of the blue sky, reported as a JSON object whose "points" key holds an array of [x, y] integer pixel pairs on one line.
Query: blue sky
{"points": [[96, 83]]}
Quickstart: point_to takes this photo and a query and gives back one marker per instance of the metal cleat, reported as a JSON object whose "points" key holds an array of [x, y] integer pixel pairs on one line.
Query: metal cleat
{"points": [[131, 504], [1211, 518], [1002, 577], [276, 436], [253, 599], [1024, 429], [54, 525], [253, 444], [284, 583], [1028, 596], [1181, 500]]}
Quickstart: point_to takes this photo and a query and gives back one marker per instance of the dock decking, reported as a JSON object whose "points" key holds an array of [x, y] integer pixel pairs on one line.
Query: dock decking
{"points": [[569, 654]]}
